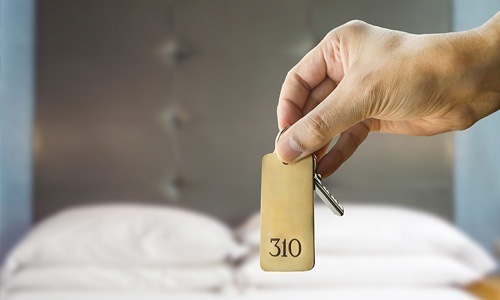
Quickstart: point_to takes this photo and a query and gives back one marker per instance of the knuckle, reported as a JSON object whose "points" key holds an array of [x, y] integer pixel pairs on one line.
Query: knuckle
{"points": [[289, 75], [331, 35], [369, 93], [464, 118], [354, 139], [350, 28], [367, 79], [339, 154], [319, 129], [355, 26]]}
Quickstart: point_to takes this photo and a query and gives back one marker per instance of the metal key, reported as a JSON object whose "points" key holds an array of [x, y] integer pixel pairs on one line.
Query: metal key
{"points": [[319, 188], [324, 194]]}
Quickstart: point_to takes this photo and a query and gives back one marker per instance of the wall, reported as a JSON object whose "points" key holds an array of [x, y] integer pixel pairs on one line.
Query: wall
{"points": [[102, 97], [16, 106], [477, 163]]}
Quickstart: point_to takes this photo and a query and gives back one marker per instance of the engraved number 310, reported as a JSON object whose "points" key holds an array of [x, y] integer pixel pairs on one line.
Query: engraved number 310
{"points": [[293, 247]]}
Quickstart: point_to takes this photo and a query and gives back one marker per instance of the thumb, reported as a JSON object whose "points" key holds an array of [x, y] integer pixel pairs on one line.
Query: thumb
{"points": [[336, 113]]}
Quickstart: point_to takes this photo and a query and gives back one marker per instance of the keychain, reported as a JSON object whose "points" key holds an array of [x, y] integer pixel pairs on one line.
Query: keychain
{"points": [[287, 212]]}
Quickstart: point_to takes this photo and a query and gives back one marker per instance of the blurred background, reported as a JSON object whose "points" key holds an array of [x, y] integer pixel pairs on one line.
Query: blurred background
{"points": [[174, 103]]}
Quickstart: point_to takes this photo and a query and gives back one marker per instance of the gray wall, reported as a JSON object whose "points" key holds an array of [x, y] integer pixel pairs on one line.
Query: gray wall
{"points": [[102, 91], [105, 96], [477, 163], [16, 106]]}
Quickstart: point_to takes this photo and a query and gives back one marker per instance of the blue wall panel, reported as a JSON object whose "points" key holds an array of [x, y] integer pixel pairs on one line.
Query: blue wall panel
{"points": [[477, 159], [16, 119]]}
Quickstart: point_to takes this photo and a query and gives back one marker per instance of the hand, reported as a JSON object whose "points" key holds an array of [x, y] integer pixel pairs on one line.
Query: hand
{"points": [[362, 78]]}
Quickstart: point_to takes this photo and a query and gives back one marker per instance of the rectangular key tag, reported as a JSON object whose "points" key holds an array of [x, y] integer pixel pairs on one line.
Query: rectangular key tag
{"points": [[287, 215]]}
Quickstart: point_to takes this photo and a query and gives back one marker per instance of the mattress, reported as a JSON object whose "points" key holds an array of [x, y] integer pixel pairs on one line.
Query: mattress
{"points": [[438, 293], [148, 252]]}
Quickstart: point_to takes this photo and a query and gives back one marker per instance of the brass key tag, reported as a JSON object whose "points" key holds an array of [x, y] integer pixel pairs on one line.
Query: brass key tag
{"points": [[287, 215]]}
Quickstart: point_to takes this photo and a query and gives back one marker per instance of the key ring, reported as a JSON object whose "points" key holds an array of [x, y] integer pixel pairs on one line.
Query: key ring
{"points": [[280, 133]]}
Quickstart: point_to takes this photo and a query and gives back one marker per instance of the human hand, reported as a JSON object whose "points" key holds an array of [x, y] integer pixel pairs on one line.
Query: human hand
{"points": [[362, 78]]}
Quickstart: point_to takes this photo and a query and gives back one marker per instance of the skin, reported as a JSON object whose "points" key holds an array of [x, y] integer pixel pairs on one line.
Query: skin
{"points": [[361, 78]]}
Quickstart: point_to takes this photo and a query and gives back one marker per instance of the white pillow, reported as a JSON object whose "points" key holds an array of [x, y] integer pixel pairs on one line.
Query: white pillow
{"points": [[362, 270], [125, 235], [120, 279], [348, 293], [379, 229]]}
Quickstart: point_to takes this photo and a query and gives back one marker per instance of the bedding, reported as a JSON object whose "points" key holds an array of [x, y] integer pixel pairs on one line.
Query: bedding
{"points": [[362, 271], [379, 229], [114, 235], [147, 252], [122, 248], [394, 293], [124, 279]]}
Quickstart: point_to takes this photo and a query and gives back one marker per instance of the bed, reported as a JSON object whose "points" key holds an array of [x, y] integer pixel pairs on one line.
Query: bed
{"points": [[132, 251]]}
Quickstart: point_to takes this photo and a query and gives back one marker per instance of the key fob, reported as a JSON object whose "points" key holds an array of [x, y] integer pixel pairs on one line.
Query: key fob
{"points": [[287, 215]]}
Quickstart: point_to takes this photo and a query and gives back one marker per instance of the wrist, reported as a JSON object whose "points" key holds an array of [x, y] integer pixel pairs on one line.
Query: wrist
{"points": [[478, 60], [487, 60], [468, 69], [490, 31]]}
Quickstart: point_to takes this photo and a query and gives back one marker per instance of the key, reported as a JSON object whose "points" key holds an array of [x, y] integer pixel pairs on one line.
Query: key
{"points": [[325, 195], [287, 215]]}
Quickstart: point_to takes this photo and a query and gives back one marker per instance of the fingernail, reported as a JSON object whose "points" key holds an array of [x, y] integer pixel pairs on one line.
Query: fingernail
{"points": [[289, 150]]}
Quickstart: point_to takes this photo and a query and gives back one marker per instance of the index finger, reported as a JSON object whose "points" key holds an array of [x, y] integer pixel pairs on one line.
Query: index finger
{"points": [[298, 84]]}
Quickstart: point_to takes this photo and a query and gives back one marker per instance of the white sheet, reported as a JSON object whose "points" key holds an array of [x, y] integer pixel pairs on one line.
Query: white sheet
{"points": [[363, 271], [379, 229], [124, 279], [316, 294]]}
